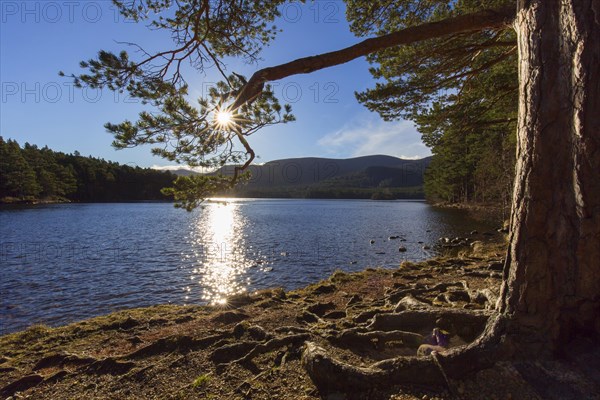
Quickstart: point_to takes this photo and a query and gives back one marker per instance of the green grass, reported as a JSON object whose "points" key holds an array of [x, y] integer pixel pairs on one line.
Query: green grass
{"points": [[201, 381]]}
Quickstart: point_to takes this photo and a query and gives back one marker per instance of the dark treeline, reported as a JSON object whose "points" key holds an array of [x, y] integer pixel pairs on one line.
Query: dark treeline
{"points": [[30, 173], [473, 139], [330, 192]]}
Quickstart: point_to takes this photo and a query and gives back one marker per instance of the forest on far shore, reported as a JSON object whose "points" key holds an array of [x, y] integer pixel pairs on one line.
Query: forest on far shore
{"points": [[30, 174]]}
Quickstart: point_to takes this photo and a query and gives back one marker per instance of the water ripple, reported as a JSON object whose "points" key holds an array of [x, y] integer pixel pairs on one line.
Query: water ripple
{"points": [[62, 263]]}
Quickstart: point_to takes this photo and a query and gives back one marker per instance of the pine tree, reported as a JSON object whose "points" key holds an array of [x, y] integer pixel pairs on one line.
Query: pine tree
{"points": [[19, 179], [551, 287]]}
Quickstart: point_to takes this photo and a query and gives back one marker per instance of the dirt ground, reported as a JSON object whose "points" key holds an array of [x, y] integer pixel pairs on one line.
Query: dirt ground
{"points": [[251, 348]]}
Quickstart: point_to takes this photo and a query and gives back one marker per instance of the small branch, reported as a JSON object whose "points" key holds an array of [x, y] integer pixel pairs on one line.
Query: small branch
{"points": [[249, 151]]}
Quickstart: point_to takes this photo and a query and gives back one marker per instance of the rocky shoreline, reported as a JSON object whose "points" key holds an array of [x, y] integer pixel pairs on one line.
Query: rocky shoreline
{"points": [[33, 201], [487, 212], [258, 346]]}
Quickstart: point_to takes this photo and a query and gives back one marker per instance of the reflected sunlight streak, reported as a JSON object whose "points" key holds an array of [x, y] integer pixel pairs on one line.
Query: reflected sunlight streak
{"points": [[220, 238]]}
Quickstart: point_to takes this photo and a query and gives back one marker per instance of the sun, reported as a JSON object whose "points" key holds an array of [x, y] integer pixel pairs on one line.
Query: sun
{"points": [[224, 118]]}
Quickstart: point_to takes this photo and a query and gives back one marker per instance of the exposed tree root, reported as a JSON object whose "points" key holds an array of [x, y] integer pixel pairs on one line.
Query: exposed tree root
{"points": [[91, 366], [62, 359], [320, 309], [22, 384], [271, 345], [57, 376], [109, 366], [331, 375], [412, 297], [231, 351], [310, 318], [410, 303], [484, 296], [290, 330], [467, 324], [367, 315], [358, 337], [176, 343], [417, 289]]}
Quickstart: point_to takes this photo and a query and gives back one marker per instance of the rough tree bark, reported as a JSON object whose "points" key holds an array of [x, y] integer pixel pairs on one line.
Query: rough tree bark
{"points": [[551, 286], [551, 289]]}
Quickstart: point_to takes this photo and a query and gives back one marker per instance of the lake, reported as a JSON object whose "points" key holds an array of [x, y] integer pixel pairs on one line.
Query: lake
{"points": [[66, 262]]}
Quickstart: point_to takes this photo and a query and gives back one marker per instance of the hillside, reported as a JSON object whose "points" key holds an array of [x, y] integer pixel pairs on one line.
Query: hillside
{"points": [[377, 176]]}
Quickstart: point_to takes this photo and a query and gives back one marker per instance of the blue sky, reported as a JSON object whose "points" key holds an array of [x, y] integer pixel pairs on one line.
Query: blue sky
{"points": [[40, 38]]}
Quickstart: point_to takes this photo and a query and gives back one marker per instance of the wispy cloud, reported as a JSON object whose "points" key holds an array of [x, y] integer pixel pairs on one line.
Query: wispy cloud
{"points": [[176, 167], [367, 134]]}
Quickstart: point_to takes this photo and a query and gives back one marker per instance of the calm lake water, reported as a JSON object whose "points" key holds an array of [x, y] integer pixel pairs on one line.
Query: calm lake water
{"points": [[63, 263]]}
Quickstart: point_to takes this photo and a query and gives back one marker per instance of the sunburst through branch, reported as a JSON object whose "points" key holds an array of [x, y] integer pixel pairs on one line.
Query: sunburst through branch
{"points": [[224, 119]]}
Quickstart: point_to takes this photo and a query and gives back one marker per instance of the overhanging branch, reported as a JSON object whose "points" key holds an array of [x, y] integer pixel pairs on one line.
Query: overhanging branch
{"points": [[463, 23]]}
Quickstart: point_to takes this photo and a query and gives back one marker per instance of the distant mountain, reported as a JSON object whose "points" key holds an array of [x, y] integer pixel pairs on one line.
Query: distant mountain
{"points": [[375, 176], [312, 170]]}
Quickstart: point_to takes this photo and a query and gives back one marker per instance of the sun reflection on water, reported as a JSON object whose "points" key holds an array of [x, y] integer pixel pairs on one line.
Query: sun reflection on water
{"points": [[219, 248]]}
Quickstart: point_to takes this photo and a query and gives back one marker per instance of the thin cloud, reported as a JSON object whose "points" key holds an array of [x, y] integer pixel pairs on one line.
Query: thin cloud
{"points": [[176, 167], [370, 135]]}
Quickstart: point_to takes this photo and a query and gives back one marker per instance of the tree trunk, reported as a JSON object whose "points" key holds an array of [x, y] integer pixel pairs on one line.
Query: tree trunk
{"points": [[551, 286], [551, 289]]}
